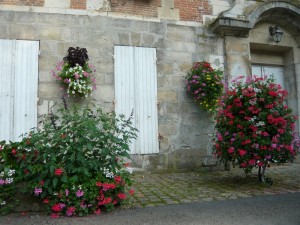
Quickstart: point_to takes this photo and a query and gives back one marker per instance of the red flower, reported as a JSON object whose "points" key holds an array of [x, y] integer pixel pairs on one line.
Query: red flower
{"points": [[273, 93], [56, 208], [230, 150], [58, 171], [252, 162], [98, 184], [46, 201], [121, 196], [131, 191], [117, 179], [14, 151], [242, 152]]}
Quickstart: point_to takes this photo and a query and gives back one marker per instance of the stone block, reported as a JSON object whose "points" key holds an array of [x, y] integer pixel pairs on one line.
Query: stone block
{"points": [[167, 96], [179, 56], [22, 31], [83, 35], [49, 33], [25, 17], [50, 90], [140, 26], [47, 62], [46, 76], [148, 40], [104, 93], [48, 47], [157, 28], [104, 67], [164, 82], [123, 39], [43, 107], [3, 32], [62, 48], [102, 39], [159, 43], [109, 78], [7, 17], [55, 20], [167, 129], [165, 68], [136, 39]]}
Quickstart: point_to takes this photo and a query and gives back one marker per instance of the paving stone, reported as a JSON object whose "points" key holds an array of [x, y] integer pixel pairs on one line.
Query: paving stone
{"points": [[174, 188]]}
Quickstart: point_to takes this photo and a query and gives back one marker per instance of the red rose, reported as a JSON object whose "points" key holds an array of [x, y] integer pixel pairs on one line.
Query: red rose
{"points": [[14, 151]]}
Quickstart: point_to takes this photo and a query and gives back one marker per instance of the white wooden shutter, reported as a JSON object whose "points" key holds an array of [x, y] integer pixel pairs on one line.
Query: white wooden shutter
{"points": [[20, 60], [136, 89], [26, 83], [6, 96]]}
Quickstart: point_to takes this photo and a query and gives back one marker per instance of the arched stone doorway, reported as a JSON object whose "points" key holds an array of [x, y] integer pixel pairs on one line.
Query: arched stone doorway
{"points": [[249, 46]]}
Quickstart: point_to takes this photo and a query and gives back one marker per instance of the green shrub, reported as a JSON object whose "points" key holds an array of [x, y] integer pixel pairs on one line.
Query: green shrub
{"points": [[76, 163]]}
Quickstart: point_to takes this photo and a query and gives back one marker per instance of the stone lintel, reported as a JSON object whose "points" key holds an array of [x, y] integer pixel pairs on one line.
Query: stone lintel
{"points": [[231, 27]]}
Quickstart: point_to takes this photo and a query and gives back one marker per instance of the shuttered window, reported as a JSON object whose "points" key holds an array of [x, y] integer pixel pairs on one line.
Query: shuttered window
{"points": [[18, 87], [136, 91]]}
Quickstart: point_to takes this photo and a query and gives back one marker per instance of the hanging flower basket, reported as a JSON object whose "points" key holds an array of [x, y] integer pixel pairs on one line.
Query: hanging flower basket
{"points": [[75, 73], [205, 85]]}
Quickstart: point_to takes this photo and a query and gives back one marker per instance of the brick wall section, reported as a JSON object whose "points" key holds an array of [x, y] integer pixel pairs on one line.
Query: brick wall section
{"points": [[136, 7], [193, 10], [78, 4], [22, 2]]}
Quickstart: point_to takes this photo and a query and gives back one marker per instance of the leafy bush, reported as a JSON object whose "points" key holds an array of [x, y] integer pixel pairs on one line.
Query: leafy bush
{"points": [[205, 85], [254, 126], [76, 163]]}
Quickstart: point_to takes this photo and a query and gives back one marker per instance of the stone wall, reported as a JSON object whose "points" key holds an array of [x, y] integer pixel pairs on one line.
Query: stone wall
{"points": [[183, 128]]}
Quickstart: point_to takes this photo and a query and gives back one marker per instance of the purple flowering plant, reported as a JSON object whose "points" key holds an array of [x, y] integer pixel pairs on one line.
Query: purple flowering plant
{"points": [[205, 85]]}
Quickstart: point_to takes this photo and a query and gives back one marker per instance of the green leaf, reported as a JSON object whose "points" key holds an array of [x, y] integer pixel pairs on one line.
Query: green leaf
{"points": [[54, 182]]}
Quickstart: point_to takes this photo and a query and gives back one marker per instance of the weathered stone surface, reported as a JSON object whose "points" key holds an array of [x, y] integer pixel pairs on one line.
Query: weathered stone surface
{"points": [[23, 31], [181, 124], [167, 96], [104, 93], [166, 129], [136, 39]]}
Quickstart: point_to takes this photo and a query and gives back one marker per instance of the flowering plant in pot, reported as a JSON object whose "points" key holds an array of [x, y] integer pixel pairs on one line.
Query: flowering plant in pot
{"points": [[254, 126], [75, 72], [205, 85]]}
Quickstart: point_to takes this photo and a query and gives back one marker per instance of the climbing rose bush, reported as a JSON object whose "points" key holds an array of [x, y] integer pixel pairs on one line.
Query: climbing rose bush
{"points": [[254, 126], [205, 85]]}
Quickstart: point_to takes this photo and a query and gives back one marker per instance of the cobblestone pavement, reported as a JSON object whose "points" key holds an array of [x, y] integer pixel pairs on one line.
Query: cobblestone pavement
{"points": [[177, 188]]}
